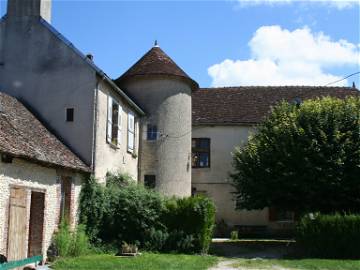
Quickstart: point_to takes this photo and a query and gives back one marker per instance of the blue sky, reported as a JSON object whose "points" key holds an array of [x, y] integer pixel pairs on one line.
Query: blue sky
{"points": [[220, 42]]}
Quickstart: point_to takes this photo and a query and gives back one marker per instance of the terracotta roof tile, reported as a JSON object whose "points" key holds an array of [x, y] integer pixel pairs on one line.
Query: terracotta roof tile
{"points": [[23, 136], [155, 62], [249, 105]]}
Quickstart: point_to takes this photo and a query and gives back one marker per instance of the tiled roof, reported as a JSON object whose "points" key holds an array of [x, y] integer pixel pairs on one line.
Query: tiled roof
{"points": [[249, 105], [156, 62], [23, 136]]}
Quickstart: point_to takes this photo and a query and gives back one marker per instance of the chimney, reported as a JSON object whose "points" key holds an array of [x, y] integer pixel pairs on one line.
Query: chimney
{"points": [[30, 8]]}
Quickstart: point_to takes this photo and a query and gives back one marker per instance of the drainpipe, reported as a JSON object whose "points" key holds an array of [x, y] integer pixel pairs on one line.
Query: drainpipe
{"points": [[95, 117]]}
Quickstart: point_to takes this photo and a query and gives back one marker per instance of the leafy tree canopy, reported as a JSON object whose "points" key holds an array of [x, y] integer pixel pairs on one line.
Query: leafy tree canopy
{"points": [[303, 158]]}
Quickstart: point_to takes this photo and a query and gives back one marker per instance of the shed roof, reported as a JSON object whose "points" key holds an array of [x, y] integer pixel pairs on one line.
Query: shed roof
{"points": [[22, 135], [250, 104]]}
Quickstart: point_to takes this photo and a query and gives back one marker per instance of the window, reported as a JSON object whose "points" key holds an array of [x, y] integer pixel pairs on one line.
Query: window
{"points": [[150, 181], [131, 132], [151, 132], [114, 122], [201, 153], [65, 207], [70, 115]]}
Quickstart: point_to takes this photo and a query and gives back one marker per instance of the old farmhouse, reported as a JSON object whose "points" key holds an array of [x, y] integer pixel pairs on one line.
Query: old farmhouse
{"points": [[62, 118]]}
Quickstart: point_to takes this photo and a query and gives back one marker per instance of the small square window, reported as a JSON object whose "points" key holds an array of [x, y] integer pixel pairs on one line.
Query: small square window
{"points": [[150, 181], [70, 115], [152, 132]]}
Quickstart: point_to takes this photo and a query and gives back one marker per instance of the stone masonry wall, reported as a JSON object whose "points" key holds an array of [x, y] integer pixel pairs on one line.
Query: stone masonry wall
{"points": [[33, 177]]}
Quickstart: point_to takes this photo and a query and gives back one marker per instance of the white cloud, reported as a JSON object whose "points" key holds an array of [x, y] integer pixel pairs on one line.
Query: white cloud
{"points": [[340, 4], [283, 57]]}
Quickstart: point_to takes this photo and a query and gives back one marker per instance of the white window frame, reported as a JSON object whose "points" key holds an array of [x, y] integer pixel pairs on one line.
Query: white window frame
{"points": [[109, 123], [131, 132]]}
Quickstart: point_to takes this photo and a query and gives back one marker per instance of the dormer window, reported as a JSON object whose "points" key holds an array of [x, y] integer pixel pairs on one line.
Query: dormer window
{"points": [[114, 122]]}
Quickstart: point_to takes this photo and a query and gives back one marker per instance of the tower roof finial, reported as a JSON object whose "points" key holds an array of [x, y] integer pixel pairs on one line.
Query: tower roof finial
{"points": [[156, 43]]}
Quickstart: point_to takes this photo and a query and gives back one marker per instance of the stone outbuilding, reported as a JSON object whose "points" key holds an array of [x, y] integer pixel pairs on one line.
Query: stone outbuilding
{"points": [[40, 182]]}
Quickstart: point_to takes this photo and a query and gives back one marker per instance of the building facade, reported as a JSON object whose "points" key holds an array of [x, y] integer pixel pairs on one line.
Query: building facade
{"points": [[40, 182], [154, 123]]}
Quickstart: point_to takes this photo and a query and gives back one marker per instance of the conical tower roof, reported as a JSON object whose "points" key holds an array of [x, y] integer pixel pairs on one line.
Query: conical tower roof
{"points": [[156, 63]]}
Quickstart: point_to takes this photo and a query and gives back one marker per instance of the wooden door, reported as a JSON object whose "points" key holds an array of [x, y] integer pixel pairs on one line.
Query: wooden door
{"points": [[17, 225], [36, 224]]}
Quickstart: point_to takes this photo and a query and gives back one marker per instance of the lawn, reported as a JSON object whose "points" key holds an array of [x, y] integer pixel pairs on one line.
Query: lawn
{"points": [[146, 261], [305, 264]]}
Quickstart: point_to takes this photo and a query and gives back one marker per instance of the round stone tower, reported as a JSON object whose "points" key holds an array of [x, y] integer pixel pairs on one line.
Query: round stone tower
{"points": [[163, 90]]}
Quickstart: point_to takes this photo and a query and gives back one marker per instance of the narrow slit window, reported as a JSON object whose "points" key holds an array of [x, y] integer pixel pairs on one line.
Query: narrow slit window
{"points": [[70, 115]]}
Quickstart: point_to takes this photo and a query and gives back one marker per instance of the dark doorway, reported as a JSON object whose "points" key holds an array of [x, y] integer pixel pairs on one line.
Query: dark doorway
{"points": [[36, 223]]}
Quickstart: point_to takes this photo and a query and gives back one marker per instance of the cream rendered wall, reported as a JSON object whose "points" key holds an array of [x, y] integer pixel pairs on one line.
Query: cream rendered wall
{"points": [[167, 103], [34, 177], [109, 158], [215, 180]]}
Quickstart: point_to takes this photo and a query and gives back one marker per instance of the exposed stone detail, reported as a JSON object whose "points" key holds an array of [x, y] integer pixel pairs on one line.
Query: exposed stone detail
{"points": [[34, 177]]}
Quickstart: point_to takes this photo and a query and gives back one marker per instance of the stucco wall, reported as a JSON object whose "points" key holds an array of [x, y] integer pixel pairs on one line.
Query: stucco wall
{"points": [[47, 76], [167, 103], [215, 180], [109, 158], [31, 176]]}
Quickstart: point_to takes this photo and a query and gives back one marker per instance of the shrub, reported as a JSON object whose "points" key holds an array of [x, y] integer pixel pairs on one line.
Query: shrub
{"points": [[71, 244], [330, 236], [132, 212], [92, 208], [122, 212], [80, 242], [197, 216], [234, 235], [63, 240]]}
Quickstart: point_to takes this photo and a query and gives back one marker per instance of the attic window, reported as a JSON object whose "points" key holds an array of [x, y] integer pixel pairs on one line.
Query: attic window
{"points": [[70, 115]]}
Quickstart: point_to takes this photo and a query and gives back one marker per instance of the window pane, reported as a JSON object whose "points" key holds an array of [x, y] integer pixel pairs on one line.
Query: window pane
{"points": [[114, 128], [130, 141], [151, 132], [204, 160], [204, 143], [200, 153]]}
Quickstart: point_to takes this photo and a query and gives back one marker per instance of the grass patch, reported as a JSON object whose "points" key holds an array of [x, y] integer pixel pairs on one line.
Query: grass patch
{"points": [[304, 264], [144, 262]]}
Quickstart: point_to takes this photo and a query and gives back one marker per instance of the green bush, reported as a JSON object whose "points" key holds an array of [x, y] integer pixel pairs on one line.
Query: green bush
{"points": [[194, 217], [63, 240], [330, 236], [132, 212], [122, 211], [92, 208], [71, 243], [234, 235]]}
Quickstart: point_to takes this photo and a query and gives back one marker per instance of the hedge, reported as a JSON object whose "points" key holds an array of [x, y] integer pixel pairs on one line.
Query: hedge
{"points": [[330, 236], [122, 212]]}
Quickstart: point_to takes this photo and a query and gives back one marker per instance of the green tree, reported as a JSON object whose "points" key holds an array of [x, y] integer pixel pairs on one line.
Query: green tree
{"points": [[302, 158]]}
